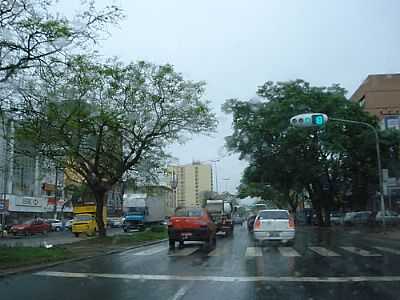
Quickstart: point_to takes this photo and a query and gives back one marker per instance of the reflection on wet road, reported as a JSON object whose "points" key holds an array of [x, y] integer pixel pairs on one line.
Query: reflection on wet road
{"points": [[322, 264]]}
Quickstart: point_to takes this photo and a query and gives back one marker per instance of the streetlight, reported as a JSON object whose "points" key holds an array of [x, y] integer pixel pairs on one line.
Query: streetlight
{"points": [[319, 119], [214, 162], [226, 183]]}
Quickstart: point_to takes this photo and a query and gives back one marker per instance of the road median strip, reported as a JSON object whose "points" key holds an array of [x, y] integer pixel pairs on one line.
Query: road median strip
{"points": [[24, 259]]}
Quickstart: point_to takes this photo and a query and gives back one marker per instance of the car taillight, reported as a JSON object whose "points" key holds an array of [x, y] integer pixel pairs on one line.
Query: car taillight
{"points": [[291, 223], [257, 224]]}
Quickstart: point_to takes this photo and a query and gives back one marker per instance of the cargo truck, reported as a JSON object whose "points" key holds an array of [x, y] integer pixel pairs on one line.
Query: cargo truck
{"points": [[85, 219], [141, 210], [221, 212]]}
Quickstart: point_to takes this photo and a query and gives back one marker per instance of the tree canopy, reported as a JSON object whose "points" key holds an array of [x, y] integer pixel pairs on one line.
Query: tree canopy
{"points": [[107, 120], [288, 163]]}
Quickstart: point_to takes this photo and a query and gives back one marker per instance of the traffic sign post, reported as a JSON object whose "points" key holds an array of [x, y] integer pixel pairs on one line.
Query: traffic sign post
{"points": [[309, 120], [320, 119]]}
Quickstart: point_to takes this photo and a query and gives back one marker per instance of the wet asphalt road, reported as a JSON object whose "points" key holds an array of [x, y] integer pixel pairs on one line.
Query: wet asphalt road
{"points": [[315, 267]]}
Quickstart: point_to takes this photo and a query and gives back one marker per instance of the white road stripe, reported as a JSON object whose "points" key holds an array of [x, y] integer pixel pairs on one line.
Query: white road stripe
{"points": [[222, 278], [152, 251], [359, 251], [217, 252], [288, 251], [390, 250], [183, 252], [181, 292], [253, 251], [323, 251]]}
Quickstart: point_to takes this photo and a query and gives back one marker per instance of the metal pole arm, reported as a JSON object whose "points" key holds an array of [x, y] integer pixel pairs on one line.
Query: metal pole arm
{"points": [[378, 157]]}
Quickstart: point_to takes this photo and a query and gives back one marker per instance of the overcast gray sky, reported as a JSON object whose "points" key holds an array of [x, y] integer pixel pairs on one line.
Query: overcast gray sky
{"points": [[236, 46]]}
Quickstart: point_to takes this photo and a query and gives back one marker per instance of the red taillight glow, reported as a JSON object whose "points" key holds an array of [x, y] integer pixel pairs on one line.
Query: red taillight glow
{"points": [[257, 224], [291, 223]]}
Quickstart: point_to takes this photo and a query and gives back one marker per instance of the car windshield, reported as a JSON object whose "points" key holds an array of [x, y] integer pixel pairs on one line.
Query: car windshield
{"points": [[268, 130], [275, 215], [188, 213], [83, 218]]}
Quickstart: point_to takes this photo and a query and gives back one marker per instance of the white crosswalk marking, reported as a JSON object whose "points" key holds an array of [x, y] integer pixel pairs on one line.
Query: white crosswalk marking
{"points": [[323, 251], [253, 251], [152, 251], [217, 252], [390, 250], [183, 252], [359, 251], [288, 251]]}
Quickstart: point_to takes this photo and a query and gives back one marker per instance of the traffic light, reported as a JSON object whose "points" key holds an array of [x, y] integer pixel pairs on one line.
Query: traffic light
{"points": [[309, 120]]}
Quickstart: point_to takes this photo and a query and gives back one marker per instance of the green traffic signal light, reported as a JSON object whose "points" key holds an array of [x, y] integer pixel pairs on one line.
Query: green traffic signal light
{"points": [[318, 120]]}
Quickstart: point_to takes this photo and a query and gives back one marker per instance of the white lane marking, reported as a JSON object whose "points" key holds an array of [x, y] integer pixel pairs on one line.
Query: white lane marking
{"points": [[390, 250], [288, 251], [253, 251], [152, 251], [183, 252], [181, 292], [323, 251], [359, 251], [221, 278], [217, 252]]}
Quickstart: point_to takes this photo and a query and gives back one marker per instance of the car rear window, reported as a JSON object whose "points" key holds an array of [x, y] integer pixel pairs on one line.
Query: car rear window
{"points": [[277, 215], [189, 213]]}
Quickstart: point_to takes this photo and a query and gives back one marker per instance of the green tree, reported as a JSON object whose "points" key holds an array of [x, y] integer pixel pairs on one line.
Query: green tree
{"points": [[324, 163], [108, 121], [32, 35]]}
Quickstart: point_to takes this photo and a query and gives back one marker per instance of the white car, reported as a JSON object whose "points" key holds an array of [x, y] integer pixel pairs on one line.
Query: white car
{"points": [[56, 225], [274, 224], [391, 217]]}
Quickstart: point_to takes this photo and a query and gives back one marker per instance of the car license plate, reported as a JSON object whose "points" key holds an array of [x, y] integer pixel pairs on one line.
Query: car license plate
{"points": [[186, 234], [274, 234]]}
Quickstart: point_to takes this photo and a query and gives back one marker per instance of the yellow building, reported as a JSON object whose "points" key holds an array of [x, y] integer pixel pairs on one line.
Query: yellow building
{"points": [[190, 181]]}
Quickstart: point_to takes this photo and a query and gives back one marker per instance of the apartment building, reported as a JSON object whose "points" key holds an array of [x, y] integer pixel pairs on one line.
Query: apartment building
{"points": [[379, 95], [190, 181]]}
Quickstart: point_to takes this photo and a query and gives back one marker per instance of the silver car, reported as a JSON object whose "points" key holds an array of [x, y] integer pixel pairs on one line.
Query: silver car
{"points": [[274, 224]]}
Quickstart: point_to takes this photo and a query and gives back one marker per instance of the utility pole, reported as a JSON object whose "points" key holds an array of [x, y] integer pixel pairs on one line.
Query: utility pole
{"points": [[320, 119]]}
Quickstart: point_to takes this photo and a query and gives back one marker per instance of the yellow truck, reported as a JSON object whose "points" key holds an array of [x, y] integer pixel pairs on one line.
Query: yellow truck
{"points": [[85, 219]]}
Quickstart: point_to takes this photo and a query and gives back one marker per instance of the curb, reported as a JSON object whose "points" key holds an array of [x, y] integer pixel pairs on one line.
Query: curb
{"points": [[49, 265]]}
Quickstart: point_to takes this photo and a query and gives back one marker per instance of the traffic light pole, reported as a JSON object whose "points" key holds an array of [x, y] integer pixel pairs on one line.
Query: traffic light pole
{"points": [[378, 157]]}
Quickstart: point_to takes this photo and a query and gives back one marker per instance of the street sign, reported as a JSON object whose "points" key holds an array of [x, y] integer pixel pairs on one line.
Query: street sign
{"points": [[309, 120]]}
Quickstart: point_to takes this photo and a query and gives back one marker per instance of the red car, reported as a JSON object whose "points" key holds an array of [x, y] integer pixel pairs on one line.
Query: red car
{"points": [[192, 224], [31, 227]]}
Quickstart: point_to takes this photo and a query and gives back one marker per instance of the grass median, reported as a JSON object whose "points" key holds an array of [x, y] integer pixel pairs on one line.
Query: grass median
{"points": [[16, 257], [11, 257]]}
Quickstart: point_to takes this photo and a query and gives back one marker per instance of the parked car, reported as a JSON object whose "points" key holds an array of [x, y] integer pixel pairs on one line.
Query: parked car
{"points": [[337, 218], [391, 217], [357, 218], [192, 224], [237, 220], [250, 222], [55, 224], [68, 224], [31, 227], [114, 222], [274, 224]]}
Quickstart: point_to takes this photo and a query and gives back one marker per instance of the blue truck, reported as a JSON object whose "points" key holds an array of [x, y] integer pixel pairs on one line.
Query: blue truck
{"points": [[141, 210]]}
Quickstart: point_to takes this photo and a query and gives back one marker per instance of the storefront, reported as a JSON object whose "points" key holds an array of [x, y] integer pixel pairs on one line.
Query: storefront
{"points": [[21, 208]]}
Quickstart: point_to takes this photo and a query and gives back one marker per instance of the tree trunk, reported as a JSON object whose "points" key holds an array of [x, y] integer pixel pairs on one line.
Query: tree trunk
{"points": [[100, 199]]}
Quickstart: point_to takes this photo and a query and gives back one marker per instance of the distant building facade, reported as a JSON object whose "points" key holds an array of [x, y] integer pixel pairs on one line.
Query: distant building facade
{"points": [[190, 181], [380, 96]]}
